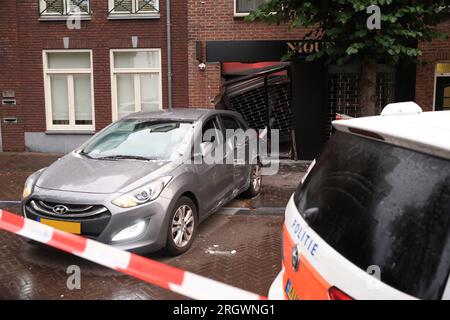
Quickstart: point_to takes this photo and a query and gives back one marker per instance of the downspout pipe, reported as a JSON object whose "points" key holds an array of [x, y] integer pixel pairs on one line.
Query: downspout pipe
{"points": [[169, 55]]}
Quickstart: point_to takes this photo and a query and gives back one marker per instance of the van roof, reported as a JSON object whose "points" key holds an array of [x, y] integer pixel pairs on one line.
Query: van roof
{"points": [[427, 132]]}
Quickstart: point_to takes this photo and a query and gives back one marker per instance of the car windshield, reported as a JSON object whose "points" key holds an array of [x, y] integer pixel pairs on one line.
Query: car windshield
{"points": [[383, 205], [141, 140]]}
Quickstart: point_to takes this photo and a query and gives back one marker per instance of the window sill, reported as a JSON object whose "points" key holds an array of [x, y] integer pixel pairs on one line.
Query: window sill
{"points": [[70, 132], [241, 15], [63, 18], [117, 16]]}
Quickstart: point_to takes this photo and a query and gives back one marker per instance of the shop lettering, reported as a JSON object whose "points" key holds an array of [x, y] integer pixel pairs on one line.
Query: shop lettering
{"points": [[303, 47]]}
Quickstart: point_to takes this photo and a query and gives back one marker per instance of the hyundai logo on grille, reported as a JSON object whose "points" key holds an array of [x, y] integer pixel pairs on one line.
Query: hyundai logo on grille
{"points": [[60, 209]]}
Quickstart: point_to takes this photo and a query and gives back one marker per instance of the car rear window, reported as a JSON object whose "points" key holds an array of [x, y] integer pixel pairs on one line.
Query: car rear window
{"points": [[383, 205]]}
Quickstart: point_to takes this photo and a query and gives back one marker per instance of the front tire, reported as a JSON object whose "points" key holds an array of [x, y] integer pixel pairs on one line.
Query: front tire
{"points": [[182, 227], [255, 182]]}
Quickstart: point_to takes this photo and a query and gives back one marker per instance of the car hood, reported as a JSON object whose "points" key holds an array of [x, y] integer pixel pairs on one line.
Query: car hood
{"points": [[78, 174]]}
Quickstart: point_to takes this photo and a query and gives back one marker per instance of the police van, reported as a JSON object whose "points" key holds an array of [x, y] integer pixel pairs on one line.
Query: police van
{"points": [[371, 220]]}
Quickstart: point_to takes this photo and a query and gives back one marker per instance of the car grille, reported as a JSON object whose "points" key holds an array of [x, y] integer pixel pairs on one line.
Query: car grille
{"points": [[65, 210]]}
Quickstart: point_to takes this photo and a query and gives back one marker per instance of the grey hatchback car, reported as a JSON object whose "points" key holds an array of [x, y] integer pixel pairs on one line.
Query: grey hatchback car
{"points": [[133, 185]]}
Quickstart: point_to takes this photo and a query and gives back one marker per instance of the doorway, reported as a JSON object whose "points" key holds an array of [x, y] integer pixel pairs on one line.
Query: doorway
{"points": [[442, 98]]}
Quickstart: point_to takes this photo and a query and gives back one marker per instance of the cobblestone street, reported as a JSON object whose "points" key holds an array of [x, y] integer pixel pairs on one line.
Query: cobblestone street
{"points": [[31, 271]]}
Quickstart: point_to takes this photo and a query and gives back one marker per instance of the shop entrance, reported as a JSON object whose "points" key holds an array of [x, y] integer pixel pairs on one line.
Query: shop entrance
{"points": [[261, 93], [442, 93]]}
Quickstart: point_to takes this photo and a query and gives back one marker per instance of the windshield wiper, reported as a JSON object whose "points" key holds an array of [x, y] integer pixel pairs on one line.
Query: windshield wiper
{"points": [[84, 154], [124, 157]]}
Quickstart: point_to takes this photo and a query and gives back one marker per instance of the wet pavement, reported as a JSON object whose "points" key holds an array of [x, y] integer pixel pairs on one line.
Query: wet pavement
{"points": [[29, 271], [239, 245]]}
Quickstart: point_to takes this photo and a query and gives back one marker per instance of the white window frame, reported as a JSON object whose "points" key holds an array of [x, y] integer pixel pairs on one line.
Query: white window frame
{"points": [[48, 96], [136, 72], [43, 4], [132, 15], [239, 14]]}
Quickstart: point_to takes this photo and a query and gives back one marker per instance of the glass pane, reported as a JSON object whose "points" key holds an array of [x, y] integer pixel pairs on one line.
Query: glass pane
{"points": [[147, 6], [60, 99], [447, 103], [69, 60], [123, 5], [83, 99], [248, 5], [50, 6], [125, 94], [136, 59], [81, 6], [447, 92], [443, 68], [149, 92]]}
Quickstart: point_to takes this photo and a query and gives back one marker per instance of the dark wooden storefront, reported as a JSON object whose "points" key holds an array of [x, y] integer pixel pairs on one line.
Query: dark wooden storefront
{"points": [[317, 91]]}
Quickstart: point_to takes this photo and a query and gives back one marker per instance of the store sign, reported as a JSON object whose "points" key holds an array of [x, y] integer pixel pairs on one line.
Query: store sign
{"points": [[251, 51], [303, 47]]}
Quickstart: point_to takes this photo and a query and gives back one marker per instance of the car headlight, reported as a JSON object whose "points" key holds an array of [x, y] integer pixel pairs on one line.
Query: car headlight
{"points": [[30, 182], [143, 194]]}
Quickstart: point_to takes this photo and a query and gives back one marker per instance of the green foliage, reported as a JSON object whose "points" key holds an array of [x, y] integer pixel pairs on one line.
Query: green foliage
{"points": [[342, 25]]}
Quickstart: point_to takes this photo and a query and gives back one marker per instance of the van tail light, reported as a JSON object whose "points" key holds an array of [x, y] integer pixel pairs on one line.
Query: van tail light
{"points": [[337, 294]]}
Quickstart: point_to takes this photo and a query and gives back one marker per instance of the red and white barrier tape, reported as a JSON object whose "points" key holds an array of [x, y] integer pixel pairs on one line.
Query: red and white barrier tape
{"points": [[153, 272]]}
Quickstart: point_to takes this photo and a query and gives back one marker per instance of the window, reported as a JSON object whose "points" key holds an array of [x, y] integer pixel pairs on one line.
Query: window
{"points": [[136, 81], [133, 9], [380, 204], [244, 7], [153, 139], [442, 86], [69, 90], [230, 123], [63, 7]]}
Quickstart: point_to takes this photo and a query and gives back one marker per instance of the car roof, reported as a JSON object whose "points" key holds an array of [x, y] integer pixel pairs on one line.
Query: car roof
{"points": [[186, 114], [427, 132]]}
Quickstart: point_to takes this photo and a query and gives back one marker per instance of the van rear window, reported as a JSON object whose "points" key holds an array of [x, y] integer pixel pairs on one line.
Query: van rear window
{"points": [[383, 205]]}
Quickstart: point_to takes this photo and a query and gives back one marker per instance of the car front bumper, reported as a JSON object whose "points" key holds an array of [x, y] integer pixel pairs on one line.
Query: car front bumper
{"points": [[105, 226], [276, 291]]}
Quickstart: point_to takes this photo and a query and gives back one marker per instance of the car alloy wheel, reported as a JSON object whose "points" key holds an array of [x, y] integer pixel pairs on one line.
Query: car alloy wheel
{"points": [[183, 224], [256, 178]]}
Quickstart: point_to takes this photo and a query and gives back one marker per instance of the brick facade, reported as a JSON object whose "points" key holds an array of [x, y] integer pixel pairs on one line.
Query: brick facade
{"points": [[12, 134], [23, 38], [433, 52], [214, 20]]}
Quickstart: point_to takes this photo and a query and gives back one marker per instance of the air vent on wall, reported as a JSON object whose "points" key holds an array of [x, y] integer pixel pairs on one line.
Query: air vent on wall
{"points": [[9, 102], [10, 120]]}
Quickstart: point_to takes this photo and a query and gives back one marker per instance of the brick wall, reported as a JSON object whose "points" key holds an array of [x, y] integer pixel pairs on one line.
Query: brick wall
{"points": [[214, 20], [433, 52], [27, 37], [12, 134]]}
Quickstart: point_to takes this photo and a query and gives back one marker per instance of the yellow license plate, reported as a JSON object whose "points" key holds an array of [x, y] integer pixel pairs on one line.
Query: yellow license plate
{"points": [[70, 227]]}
